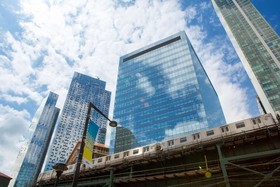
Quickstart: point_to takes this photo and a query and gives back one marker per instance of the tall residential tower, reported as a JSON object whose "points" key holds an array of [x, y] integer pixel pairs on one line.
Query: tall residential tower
{"points": [[37, 149], [257, 45], [163, 92], [83, 90]]}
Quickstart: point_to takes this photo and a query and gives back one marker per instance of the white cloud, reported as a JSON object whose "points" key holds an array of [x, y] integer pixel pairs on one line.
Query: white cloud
{"points": [[204, 5], [15, 74], [60, 37], [233, 98], [226, 78], [9, 98], [190, 13], [12, 124]]}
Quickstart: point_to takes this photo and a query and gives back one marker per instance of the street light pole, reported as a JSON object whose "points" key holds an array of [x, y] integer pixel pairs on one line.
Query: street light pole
{"points": [[81, 151], [112, 123], [57, 178], [59, 168]]}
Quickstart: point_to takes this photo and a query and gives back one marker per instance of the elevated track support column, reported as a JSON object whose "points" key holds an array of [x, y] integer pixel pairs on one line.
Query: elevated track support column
{"points": [[111, 182], [223, 163]]}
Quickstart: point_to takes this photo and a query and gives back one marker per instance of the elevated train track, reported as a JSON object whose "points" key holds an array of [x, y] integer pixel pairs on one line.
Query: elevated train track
{"points": [[250, 158]]}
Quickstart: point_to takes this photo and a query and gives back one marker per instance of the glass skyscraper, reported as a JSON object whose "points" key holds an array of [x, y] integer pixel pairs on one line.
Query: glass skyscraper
{"points": [[257, 45], [83, 90], [163, 92], [37, 149]]}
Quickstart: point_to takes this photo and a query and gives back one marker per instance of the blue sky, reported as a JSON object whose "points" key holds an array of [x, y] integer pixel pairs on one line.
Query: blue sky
{"points": [[43, 42], [270, 10]]}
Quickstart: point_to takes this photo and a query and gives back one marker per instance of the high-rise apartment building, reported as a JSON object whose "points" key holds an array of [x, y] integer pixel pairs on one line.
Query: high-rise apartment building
{"points": [[83, 90], [37, 149], [163, 92], [257, 45]]}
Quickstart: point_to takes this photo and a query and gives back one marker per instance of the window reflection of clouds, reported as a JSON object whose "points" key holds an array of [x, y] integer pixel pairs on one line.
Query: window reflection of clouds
{"points": [[144, 84], [191, 127], [163, 94], [174, 62]]}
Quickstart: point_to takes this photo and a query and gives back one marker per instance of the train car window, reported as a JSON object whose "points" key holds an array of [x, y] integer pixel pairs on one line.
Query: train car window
{"points": [[224, 129], [117, 156], [184, 139], [256, 120], [170, 142], [145, 149], [196, 136], [240, 125], [278, 117], [136, 151], [209, 133], [108, 158], [99, 160], [125, 154]]}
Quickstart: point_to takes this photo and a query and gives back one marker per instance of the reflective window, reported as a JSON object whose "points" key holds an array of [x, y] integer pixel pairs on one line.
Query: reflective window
{"points": [[145, 149], [210, 133], [38, 146], [108, 158], [125, 154], [184, 139], [117, 156], [224, 129], [196, 136], [170, 142], [136, 151], [259, 44], [163, 93], [240, 125]]}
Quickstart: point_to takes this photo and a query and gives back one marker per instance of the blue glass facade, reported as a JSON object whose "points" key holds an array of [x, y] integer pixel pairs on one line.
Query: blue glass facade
{"points": [[257, 45], [83, 90], [163, 92], [37, 149]]}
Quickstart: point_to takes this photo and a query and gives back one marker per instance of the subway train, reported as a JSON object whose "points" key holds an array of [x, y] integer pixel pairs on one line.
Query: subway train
{"points": [[184, 142]]}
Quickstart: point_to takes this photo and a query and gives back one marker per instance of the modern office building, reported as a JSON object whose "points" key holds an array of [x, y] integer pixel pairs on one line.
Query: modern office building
{"points": [[257, 45], [19, 161], [163, 92], [37, 149], [27, 139], [83, 90]]}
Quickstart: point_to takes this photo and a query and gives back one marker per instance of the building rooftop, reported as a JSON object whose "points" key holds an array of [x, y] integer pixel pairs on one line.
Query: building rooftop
{"points": [[5, 176]]}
